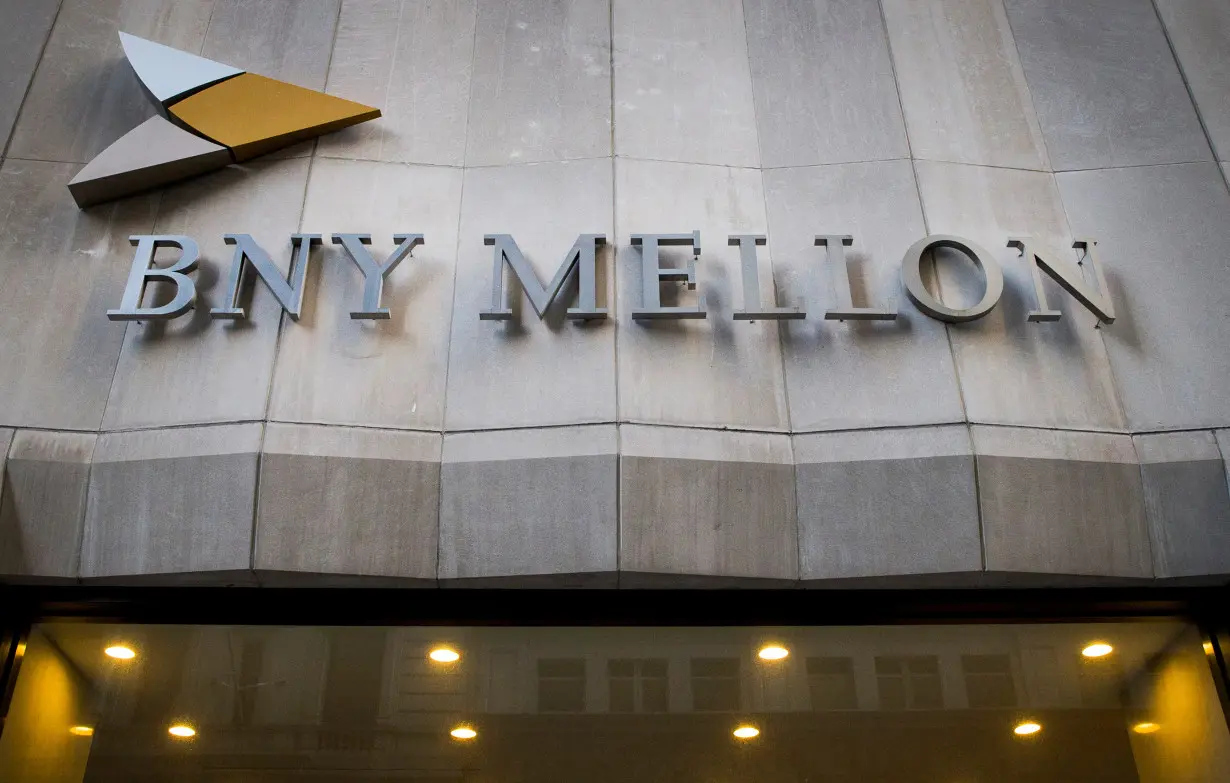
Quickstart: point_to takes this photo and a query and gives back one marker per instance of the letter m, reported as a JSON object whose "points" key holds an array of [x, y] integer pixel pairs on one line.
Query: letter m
{"points": [[581, 259]]}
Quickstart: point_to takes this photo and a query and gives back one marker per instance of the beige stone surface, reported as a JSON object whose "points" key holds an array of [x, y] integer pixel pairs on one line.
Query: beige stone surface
{"points": [[61, 269], [334, 369]]}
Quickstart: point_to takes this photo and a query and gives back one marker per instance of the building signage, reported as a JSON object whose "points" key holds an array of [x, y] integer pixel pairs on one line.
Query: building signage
{"points": [[251, 260], [210, 115]]}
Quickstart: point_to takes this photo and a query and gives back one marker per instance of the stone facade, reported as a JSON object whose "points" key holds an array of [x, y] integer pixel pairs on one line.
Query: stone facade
{"points": [[435, 449]]}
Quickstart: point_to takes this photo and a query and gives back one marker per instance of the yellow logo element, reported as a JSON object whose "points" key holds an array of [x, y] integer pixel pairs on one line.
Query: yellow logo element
{"points": [[209, 116]]}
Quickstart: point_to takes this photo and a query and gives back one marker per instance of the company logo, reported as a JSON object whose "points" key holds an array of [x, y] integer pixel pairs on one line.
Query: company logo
{"points": [[209, 116]]}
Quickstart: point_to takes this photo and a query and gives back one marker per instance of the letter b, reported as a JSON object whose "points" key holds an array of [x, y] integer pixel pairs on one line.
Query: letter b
{"points": [[143, 271]]}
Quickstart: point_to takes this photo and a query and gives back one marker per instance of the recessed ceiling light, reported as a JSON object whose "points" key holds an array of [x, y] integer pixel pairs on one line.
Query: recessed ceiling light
{"points": [[182, 730], [1025, 728], [773, 652], [746, 732], [464, 733], [444, 655], [1208, 648], [82, 731], [121, 652], [1097, 650], [1145, 727]]}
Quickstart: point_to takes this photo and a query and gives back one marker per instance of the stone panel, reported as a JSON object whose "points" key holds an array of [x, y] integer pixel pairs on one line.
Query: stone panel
{"points": [[282, 39], [1223, 445], [857, 373], [1187, 502], [962, 87], [1051, 374], [383, 373], [683, 91], [411, 59], [172, 505], [61, 268], [823, 82], [532, 507], [84, 94], [1062, 503], [355, 502], [887, 503], [24, 27], [1163, 233], [42, 504], [195, 369], [1199, 32], [541, 87], [706, 507], [1105, 84], [530, 372], [713, 372]]}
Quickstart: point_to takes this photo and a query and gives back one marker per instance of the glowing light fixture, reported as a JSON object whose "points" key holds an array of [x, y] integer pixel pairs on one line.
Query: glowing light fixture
{"points": [[1026, 728], [1097, 650], [121, 652], [463, 732], [82, 731], [444, 655], [182, 730], [1208, 648], [746, 731], [1147, 727], [773, 652]]}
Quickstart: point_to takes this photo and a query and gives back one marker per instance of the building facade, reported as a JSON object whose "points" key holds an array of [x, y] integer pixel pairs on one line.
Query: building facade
{"points": [[841, 294]]}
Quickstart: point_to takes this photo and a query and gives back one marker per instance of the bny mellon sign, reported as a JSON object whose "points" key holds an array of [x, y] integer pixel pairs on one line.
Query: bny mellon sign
{"points": [[211, 115], [580, 265]]}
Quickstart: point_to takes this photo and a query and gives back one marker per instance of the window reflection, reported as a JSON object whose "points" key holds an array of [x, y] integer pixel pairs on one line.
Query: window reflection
{"points": [[909, 682], [715, 684], [548, 705], [831, 684]]}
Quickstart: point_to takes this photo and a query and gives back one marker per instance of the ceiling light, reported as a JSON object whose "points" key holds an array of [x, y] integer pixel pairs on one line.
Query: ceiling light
{"points": [[121, 652], [1208, 648], [1147, 727], [773, 652], [746, 732], [82, 731], [444, 655], [463, 733], [1026, 728], [182, 730], [1097, 650]]}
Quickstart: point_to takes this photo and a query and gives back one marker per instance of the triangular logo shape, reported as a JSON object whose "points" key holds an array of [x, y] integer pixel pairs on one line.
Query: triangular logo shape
{"points": [[168, 74], [215, 115]]}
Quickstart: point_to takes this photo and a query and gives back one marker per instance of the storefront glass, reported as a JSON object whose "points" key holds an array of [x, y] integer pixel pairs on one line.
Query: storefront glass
{"points": [[942, 704]]}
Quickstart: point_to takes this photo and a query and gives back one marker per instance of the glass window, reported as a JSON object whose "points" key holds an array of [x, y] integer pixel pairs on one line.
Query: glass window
{"points": [[909, 682], [638, 684], [279, 704], [831, 681], [715, 684], [988, 681], [561, 685]]}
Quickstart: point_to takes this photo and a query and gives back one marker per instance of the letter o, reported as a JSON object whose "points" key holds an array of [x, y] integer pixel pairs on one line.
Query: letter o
{"points": [[911, 277]]}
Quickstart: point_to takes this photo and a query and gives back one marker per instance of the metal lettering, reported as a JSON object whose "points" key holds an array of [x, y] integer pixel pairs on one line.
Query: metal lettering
{"points": [[846, 311], [653, 274], [289, 292], [911, 277], [1069, 277], [582, 259], [751, 283], [374, 273], [143, 271]]}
